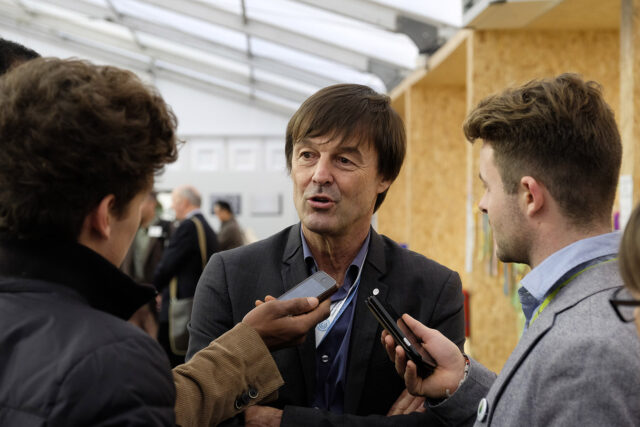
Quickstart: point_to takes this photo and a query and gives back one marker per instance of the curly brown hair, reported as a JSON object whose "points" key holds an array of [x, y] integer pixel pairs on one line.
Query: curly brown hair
{"points": [[559, 131], [348, 111], [72, 133]]}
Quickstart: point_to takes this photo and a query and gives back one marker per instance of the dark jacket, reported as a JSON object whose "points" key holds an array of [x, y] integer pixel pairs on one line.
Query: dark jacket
{"points": [[67, 355], [182, 259], [408, 281]]}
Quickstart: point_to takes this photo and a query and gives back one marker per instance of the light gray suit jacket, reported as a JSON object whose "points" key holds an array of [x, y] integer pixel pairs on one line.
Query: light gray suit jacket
{"points": [[576, 365]]}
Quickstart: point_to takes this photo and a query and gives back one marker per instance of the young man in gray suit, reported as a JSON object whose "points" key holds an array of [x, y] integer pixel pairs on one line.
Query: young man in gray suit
{"points": [[549, 162], [344, 146]]}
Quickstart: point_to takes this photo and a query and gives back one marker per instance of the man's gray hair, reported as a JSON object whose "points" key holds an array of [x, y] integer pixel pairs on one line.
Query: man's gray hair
{"points": [[191, 195]]}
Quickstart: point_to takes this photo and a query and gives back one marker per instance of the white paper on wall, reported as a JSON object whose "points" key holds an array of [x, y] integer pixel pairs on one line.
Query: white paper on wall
{"points": [[626, 199]]}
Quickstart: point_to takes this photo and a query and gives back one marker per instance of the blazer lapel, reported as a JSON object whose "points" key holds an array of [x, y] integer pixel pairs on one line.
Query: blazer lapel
{"points": [[364, 329], [294, 270]]}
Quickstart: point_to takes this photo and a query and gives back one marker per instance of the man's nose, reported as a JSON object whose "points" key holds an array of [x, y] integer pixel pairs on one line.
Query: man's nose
{"points": [[482, 206], [323, 173]]}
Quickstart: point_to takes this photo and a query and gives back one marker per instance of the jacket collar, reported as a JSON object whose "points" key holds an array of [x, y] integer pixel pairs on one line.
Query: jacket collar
{"points": [[74, 266]]}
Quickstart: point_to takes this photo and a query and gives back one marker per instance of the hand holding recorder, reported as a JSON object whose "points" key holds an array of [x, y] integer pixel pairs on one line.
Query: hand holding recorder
{"points": [[450, 362], [285, 323]]}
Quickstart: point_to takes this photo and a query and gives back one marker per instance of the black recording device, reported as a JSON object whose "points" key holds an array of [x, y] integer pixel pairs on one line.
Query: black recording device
{"points": [[403, 336], [319, 285]]}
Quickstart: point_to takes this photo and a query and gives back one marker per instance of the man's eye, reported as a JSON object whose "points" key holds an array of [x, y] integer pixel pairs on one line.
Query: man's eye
{"points": [[305, 155], [344, 160]]}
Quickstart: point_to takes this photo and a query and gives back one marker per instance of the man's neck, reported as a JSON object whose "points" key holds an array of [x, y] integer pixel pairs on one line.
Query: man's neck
{"points": [[191, 212], [334, 254], [555, 239]]}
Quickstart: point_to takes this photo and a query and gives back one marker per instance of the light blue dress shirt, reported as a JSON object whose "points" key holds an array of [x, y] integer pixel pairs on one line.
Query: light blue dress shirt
{"points": [[561, 265]]}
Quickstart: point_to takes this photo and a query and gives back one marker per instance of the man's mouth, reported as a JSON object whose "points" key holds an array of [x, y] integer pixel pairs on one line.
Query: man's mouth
{"points": [[321, 199], [320, 202]]}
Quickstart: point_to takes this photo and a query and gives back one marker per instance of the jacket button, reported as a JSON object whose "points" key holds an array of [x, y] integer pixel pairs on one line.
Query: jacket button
{"points": [[242, 400], [253, 393], [237, 404], [483, 409]]}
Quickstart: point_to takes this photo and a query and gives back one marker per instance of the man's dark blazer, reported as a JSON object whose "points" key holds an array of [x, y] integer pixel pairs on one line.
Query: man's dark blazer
{"points": [[411, 283], [182, 259]]}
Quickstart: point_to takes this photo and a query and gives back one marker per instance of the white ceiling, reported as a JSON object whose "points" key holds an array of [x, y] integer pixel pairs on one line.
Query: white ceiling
{"points": [[272, 53]]}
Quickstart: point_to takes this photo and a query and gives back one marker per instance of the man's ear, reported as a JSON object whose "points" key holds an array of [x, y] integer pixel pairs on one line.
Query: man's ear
{"points": [[532, 195], [384, 185], [101, 217]]}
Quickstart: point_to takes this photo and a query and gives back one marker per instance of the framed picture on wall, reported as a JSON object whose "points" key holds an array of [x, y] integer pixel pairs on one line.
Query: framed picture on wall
{"points": [[234, 199], [243, 156], [266, 204], [274, 156], [207, 156]]}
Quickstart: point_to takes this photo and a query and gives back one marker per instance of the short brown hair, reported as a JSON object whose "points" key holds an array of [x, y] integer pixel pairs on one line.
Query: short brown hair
{"points": [[73, 133], [348, 111], [629, 257], [561, 132]]}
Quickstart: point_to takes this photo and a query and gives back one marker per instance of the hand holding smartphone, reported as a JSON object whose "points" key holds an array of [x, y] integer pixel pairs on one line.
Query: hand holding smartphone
{"points": [[319, 285], [403, 336]]}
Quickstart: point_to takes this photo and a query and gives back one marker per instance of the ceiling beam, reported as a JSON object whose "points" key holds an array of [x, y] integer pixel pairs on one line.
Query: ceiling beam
{"points": [[380, 15], [371, 13], [217, 49], [209, 13], [12, 17], [207, 68]]}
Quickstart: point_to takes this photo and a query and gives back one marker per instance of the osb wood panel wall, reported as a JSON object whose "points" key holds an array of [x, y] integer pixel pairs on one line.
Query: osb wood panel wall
{"points": [[629, 118], [425, 206], [498, 59], [437, 160], [392, 216]]}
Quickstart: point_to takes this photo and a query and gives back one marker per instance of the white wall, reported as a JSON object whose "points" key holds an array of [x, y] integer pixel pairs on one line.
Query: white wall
{"points": [[215, 126]]}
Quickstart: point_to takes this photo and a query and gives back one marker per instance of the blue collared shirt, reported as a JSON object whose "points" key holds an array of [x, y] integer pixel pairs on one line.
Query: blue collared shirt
{"points": [[560, 266], [332, 353]]}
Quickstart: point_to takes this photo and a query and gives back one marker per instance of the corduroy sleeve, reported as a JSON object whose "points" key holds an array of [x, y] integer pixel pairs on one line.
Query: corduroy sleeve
{"points": [[234, 372]]}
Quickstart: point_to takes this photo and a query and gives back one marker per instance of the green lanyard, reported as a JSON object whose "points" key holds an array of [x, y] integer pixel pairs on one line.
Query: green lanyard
{"points": [[553, 294]]}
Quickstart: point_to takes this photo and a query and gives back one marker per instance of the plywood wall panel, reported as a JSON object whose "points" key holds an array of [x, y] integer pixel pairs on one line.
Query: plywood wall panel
{"points": [[393, 215], [630, 90], [438, 173]]}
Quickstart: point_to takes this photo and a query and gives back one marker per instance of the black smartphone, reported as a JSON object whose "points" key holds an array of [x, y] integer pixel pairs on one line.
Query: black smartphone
{"points": [[403, 336], [319, 285]]}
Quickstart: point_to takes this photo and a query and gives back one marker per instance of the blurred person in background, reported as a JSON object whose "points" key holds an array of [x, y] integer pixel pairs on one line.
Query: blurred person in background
{"points": [[230, 235], [183, 261], [143, 257]]}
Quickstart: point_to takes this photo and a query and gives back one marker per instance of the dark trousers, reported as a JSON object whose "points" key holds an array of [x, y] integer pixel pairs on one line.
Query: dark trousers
{"points": [[163, 339]]}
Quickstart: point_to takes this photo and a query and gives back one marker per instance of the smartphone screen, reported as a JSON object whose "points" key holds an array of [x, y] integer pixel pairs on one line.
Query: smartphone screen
{"points": [[319, 285]]}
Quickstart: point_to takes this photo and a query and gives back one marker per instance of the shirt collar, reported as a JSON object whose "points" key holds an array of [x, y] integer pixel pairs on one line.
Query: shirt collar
{"points": [[542, 278], [355, 265], [192, 213]]}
